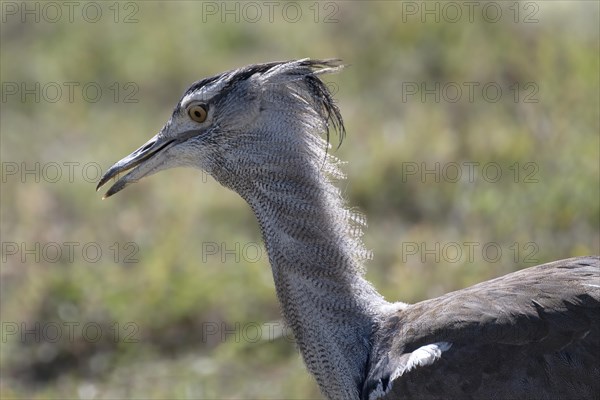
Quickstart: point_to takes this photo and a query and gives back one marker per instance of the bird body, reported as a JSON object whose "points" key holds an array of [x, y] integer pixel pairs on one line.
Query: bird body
{"points": [[531, 334]]}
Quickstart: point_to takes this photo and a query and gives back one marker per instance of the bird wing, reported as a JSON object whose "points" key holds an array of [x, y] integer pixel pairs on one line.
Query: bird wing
{"points": [[534, 333]]}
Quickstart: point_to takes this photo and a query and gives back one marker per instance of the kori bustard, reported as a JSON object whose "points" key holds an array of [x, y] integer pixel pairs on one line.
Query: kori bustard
{"points": [[258, 130]]}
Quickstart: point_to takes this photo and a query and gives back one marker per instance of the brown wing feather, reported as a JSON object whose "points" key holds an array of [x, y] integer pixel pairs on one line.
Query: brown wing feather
{"points": [[534, 333]]}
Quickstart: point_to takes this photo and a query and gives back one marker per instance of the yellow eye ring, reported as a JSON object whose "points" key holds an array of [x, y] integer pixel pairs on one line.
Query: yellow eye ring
{"points": [[197, 112]]}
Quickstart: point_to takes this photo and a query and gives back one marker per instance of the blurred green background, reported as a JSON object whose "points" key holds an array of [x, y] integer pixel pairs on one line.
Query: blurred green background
{"points": [[163, 290]]}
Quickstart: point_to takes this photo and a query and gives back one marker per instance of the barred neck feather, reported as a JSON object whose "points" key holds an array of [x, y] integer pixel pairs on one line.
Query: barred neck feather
{"points": [[316, 255], [314, 242]]}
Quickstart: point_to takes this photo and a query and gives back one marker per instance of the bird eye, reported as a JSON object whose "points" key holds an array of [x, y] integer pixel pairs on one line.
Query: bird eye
{"points": [[198, 112]]}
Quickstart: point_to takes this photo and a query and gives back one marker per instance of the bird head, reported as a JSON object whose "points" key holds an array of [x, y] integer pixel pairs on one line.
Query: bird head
{"points": [[239, 123]]}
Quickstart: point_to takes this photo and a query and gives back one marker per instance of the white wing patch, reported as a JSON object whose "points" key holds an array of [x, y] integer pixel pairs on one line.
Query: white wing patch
{"points": [[425, 355]]}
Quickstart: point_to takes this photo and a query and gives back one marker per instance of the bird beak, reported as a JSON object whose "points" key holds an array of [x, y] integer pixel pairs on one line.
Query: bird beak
{"points": [[144, 161]]}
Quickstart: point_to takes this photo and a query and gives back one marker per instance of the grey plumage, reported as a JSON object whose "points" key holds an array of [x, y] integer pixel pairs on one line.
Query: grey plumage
{"points": [[531, 334]]}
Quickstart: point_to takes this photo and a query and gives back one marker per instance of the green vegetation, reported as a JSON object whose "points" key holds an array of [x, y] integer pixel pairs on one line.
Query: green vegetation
{"points": [[182, 286]]}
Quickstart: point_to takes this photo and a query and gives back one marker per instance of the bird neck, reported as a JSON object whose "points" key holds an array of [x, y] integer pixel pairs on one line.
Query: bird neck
{"points": [[316, 254]]}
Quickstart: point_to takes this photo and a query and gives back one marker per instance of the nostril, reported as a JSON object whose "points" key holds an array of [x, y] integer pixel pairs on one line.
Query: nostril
{"points": [[146, 147]]}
